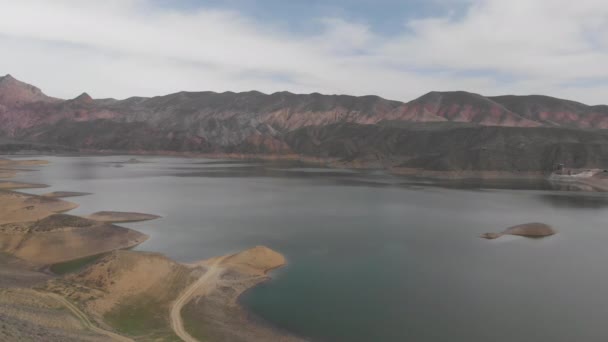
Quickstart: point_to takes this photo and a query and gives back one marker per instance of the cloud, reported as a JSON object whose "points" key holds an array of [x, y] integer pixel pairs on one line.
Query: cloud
{"points": [[528, 38], [120, 48]]}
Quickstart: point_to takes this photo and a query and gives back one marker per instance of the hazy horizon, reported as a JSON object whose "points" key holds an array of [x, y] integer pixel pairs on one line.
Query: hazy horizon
{"points": [[394, 49]]}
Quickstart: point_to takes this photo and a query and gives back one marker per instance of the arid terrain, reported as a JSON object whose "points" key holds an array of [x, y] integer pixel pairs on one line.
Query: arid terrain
{"points": [[71, 278], [442, 132], [120, 217]]}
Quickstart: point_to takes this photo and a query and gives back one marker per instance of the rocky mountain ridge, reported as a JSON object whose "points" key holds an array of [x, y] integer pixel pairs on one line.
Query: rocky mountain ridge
{"points": [[257, 123]]}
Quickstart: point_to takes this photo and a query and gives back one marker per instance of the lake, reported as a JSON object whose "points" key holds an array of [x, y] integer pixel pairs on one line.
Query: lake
{"points": [[372, 257]]}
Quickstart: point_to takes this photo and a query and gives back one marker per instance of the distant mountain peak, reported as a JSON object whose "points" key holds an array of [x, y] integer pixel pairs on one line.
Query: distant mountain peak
{"points": [[15, 93], [463, 106], [84, 97], [8, 77]]}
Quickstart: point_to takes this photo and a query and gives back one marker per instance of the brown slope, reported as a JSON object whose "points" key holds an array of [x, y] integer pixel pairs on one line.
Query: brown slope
{"points": [[44, 241], [228, 119], [253, 122], [457, 148], [460, 106], [15, 93], [556, 112], [316, 110], [20, 116]]}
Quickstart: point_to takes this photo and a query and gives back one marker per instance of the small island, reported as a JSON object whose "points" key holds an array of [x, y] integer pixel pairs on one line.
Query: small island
{"points": [[531, 230], [121, 217], [64, 194]]}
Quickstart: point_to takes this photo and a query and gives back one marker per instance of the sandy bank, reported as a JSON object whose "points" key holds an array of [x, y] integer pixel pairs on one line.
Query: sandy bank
{"points": [[9, 169], [157, 290], [14, 163], [19, 207], [214, 313], [5, 185], [121, 217], [65, 194], [7, 173], [32, 229], [59, 238]]}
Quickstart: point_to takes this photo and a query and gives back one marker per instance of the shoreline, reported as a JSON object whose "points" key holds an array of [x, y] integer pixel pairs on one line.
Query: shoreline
{"points": [[590, 185], [593, 183], [44, 268], [327, 162], [256, 319], [333, 163]]}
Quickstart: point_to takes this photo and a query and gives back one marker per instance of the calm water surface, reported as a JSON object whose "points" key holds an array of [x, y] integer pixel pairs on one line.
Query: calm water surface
{"points": [[372, 257]]}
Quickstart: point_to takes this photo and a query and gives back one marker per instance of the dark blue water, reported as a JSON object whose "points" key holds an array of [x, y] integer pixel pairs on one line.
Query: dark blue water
{"points": [[372, 257]]}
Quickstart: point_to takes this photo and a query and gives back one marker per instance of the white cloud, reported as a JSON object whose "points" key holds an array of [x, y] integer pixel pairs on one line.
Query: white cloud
{"points": [[529, 38], [120, 48]]}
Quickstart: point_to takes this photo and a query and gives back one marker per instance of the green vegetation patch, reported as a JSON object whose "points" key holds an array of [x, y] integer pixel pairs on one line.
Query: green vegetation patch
{"points": [[58, 221], [141, 315], [146, 316], [74, 265], [194, 325]]}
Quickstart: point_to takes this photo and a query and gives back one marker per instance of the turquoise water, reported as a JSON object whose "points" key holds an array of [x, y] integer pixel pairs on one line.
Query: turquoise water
{"points": [[372, 257]]}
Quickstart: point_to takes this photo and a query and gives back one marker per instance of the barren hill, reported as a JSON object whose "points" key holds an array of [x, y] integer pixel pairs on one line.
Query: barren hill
{"points": [[277, 125]]}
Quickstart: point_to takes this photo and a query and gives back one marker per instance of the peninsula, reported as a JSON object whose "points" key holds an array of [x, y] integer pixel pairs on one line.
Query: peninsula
{"points": [[72, 278]]}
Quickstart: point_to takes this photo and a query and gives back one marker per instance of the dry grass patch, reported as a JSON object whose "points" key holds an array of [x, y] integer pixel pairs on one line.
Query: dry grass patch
{"points": [[217, 316], [20, 207], [28, 315], [59, 238], [129, 291], [121, 217], [64, 194]]}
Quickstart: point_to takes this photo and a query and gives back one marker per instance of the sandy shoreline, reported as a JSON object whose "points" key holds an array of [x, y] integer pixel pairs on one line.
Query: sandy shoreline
{"points": [[247, 269]]}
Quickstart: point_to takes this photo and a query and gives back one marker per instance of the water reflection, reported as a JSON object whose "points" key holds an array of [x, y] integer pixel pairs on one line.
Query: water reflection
{"points": [[576, 200], [359, 177], [372, 257]]}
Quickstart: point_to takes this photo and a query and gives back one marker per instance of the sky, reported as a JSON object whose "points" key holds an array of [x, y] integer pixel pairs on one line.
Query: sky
{"points": [[398, 49]]}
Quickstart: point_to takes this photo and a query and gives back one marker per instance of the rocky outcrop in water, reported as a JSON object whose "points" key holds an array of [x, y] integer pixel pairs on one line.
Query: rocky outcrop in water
{"points": [[532, 230]]}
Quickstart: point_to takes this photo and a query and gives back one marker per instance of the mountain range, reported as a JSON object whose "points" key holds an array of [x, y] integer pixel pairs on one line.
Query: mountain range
{"points": [[445, 131]]}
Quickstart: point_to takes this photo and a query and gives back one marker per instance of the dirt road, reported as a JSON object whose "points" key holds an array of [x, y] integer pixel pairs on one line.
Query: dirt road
{"points": [[202, 286], [84, 319]]}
